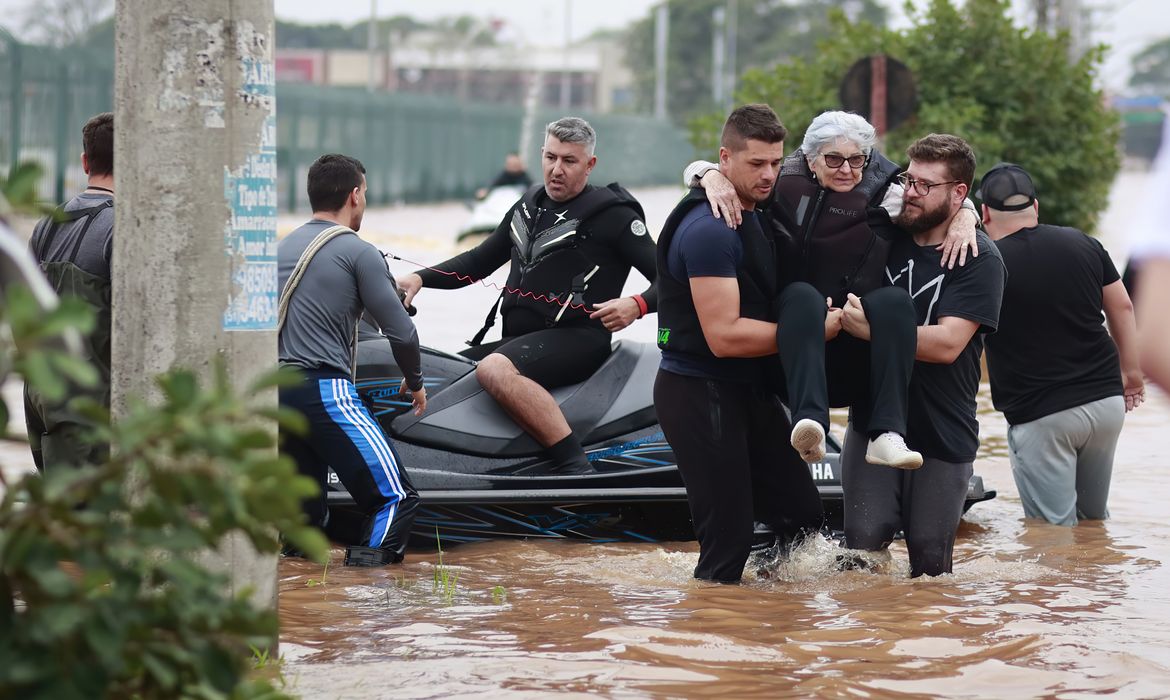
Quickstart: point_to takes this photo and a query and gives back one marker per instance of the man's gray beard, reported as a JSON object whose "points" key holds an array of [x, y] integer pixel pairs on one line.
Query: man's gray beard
{"points": [[928, 219]]}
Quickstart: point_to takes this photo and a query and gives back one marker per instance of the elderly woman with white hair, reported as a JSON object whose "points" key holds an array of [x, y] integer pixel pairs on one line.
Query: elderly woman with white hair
{"points": [[832, 211]]}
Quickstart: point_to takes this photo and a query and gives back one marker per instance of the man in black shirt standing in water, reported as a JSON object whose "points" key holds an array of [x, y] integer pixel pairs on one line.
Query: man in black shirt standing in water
{"points": [[571, 246], [1055, 370], [955, 308]]}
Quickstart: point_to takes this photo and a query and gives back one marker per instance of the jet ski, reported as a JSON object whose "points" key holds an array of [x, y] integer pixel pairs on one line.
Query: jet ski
{"points": [[481, 477], [487, 213]]}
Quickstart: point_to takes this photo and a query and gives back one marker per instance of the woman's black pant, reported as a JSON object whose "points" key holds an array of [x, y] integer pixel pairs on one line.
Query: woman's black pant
{"points": [[872, 377], [731, 444]]}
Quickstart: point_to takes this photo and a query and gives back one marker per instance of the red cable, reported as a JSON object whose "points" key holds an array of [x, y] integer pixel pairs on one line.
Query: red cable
{"points": [[487, 283]]}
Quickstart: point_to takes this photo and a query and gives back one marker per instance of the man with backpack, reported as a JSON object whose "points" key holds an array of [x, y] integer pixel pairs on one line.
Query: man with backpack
{"points": [[73, 248]]}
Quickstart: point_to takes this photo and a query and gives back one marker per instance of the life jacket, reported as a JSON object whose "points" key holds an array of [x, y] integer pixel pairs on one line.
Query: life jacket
{"points": [[842, 239], [678, 322], [551, 268]]}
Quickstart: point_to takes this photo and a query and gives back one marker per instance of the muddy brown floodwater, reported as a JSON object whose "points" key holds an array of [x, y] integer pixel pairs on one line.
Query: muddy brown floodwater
{"points": [[1032, 610]]}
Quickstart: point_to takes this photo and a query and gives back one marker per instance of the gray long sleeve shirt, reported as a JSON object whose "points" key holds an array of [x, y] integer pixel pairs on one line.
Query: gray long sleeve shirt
{"points": [[348, 275]]}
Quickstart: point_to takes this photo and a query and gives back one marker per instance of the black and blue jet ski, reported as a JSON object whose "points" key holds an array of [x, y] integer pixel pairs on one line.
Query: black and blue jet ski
{"points": [[481, 477]]}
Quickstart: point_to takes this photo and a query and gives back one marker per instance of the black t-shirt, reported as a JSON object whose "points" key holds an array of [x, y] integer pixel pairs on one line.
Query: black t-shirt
{"points": [[941, 421], [703, 246], [1052, 351]]}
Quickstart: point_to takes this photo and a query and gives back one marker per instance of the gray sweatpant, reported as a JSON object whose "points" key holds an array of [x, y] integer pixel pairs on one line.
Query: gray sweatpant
{"points": [[1062, 463], [925, 503]]}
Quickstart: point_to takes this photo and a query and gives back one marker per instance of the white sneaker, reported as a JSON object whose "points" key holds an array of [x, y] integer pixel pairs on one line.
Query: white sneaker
{"points": [[890, 449], [808, 439]]}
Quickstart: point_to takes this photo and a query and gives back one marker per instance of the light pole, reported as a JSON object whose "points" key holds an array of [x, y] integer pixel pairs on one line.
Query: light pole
{"points": [[566, 87], [732, 41], [717, 55], [661, 32], [372, 45]]}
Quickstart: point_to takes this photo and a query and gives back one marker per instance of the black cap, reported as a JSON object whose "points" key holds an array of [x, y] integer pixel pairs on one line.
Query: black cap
{"points": [[1007, 187]]}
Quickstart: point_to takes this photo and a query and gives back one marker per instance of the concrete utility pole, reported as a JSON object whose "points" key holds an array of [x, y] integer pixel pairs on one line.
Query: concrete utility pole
{"points": [[195, 249]]}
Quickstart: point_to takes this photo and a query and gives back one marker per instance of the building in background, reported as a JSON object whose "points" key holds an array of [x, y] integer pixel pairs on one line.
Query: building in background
{"points": [[427, 63]]}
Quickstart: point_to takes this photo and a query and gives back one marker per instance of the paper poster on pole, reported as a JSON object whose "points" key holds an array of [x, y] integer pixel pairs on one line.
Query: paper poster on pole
{"points": [[250, 238]]}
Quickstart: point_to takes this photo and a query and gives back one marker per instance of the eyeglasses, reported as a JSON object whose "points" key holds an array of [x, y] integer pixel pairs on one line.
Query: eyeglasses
{"points": [[922, 189], [836, 160]]}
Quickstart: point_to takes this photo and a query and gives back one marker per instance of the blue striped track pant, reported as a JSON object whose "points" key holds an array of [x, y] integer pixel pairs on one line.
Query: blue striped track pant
{"points": [[345, 436]]}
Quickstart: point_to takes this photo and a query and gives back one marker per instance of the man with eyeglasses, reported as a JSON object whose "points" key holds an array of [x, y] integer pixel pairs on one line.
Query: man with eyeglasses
{"points": [[954, 309]]}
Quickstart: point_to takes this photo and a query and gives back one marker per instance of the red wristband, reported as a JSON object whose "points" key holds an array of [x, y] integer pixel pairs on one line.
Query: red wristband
{"points": [[642, 308]]}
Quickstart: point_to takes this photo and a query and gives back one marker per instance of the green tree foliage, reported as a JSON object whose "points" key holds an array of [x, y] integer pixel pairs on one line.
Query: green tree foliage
{"points": [[18, 191], [1011, 92], [769, 31], [101, 591], [1151, 69]]}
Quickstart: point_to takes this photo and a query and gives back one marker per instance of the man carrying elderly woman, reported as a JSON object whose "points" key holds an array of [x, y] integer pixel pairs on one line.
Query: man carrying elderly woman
{"points": [[833, 208]]}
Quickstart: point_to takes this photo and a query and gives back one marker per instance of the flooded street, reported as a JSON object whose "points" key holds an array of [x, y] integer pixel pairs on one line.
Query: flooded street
{"points": [[1033, 610]]}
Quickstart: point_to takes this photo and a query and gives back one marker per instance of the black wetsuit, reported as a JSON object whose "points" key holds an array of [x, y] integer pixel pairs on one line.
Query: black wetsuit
{"points": [[566, 257]]}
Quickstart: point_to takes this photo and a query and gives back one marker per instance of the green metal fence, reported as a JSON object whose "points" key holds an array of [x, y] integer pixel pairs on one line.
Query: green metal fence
{"points": [[45, 96], [418, 148], [415, 148]]}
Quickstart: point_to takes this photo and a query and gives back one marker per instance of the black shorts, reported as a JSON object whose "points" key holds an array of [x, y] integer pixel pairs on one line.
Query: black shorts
{"points": [[552, 357]]}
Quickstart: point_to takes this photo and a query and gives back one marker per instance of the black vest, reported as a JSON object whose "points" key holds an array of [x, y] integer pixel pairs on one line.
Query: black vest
{"points": [[842, 239], [549, 261], [678, 323]]}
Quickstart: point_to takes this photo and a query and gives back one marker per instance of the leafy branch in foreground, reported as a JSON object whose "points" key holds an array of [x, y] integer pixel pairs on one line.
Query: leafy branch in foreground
{"points": [[18, 191], [102, 594]]}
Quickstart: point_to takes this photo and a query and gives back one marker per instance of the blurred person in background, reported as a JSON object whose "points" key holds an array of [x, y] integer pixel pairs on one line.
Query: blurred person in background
{"points": [[513, 175], [1151, 248]]}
